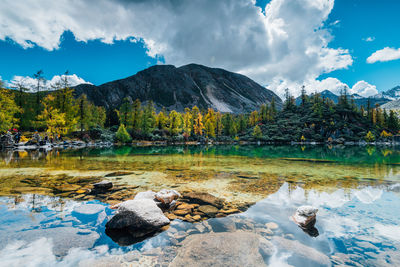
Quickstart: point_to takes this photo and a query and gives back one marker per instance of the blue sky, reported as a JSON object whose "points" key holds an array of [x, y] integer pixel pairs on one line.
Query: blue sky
{"points": [[96, 59]]}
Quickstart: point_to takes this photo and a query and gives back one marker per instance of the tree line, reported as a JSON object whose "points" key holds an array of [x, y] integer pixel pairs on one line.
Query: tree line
{"points": [[314, 119], [57, 111]]}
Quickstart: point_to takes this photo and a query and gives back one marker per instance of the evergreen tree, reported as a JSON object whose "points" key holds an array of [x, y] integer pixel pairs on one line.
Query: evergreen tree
{"points": [[122, 135], [257, 132]]}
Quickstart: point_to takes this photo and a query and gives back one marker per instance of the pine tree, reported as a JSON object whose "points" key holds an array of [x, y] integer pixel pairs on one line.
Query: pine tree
{"points": [[122, 135], [209, 128], [175, 122], [257, 132]]}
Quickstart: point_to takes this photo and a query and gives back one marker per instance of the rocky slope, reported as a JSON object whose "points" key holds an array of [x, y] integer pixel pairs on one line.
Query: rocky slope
{"points": [[186, 86]]}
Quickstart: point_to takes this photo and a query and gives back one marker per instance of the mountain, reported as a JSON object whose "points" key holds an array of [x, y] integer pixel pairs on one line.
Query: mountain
{"points": [[392, 105], [359, 100], [186, 86], [392, 94]]}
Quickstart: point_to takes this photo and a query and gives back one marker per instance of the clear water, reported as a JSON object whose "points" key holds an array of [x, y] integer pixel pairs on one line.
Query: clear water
{"points": [[356, 190]]}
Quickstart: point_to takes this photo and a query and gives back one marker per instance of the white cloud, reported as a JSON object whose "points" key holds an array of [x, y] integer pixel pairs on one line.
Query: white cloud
{"points": [[334, 85], [369, 39], [364, 89], [31, 83], [385, 54], [286, 44]]}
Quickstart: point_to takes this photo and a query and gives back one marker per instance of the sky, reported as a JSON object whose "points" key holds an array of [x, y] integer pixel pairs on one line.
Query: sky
{"points": [[321, 44]]}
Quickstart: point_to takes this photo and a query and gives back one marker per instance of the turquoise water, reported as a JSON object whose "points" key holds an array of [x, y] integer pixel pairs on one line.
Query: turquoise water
{"points": [[357, 223]]}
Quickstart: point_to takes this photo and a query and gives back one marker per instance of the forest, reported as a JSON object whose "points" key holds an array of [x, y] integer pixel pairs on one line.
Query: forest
{"points": [[315, 119]]}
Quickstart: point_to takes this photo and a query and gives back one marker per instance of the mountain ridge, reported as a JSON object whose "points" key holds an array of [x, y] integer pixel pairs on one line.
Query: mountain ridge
{"points": [[176, 88]]}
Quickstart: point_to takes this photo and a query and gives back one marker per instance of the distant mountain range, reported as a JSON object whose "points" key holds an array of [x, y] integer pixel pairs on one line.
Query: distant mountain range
{"points": [[383, 99], [186, 86]]}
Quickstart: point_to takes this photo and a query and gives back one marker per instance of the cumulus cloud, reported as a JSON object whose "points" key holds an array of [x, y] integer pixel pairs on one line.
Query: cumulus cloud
{"points": [[364, 89], [334, 85], [31, 83], [369, 39], [286, 43], [383, 55]]}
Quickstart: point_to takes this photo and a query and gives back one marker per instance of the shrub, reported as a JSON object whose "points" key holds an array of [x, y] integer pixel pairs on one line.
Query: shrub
{"points": [[370, 137], [122, 135]]}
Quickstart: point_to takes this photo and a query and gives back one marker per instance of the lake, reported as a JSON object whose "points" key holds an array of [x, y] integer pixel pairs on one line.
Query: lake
{"points": [[44, 195]]}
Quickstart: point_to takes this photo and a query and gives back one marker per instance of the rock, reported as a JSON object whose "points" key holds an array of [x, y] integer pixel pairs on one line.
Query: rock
{"points": [[171, 216], [230, 211], [196, 217], [305, 216], [204, 199], [181, 212], [139, 216], [302, 251], [222, 225], [103, 185], [166, 196], [272, 225], [223, 249], [146, 195], [62, 238], [185, 206], [209, 210]]}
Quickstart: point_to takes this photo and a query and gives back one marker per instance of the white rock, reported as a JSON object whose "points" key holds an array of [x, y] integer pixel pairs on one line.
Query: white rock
{"points": [[305, 215], [166, 196], [307, 211], [145, 195]]}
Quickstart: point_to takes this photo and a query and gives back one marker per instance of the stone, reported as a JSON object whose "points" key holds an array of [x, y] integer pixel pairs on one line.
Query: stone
{"points": [[166, 196], [204, 199], [171, 216], [62, 238], [223, 249], [181, 212], [302, 251], [185, 206], [272, 225], [196, 217], [222, 225], [103, 185], [229, 211], [139, 216], [209, 210], [145, 195], [305, 216]]}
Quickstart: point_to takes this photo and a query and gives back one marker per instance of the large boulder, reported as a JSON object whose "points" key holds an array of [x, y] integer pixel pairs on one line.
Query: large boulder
{"points": [[223, 249], [139, 216]]}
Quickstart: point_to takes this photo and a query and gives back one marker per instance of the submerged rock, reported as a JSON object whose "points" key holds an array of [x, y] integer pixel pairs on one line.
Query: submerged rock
{"points": [[305, 216], [103, 185], [301, 250], [223, 249], [139, 216], [204, 199]]}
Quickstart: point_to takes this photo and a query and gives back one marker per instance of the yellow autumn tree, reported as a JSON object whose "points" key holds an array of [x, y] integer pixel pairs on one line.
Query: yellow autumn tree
{"points": [[51, 117], [8, 109], [198, 126]]}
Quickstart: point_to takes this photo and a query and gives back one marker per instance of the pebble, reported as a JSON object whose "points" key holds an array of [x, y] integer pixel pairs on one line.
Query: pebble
{"points": [[181, 212]]}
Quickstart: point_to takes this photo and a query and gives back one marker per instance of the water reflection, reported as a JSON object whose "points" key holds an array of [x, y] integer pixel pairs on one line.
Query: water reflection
{"points": [[356, 227]]}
